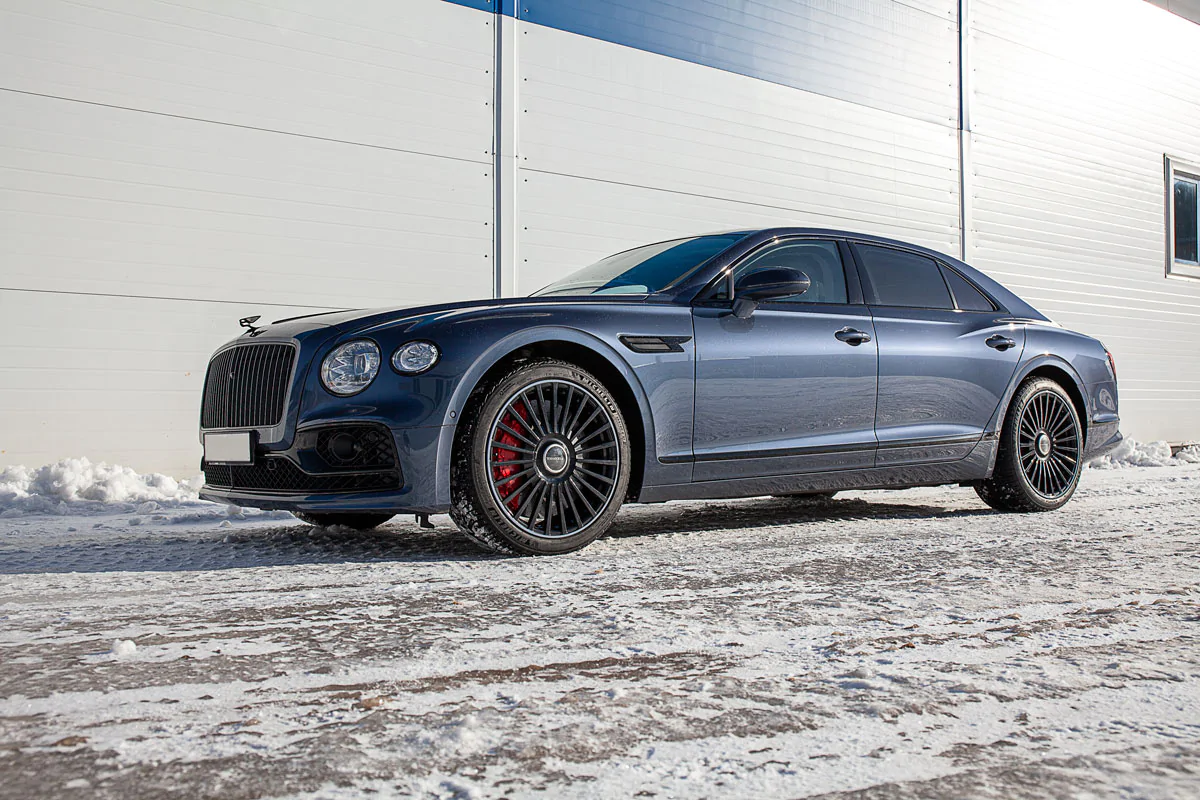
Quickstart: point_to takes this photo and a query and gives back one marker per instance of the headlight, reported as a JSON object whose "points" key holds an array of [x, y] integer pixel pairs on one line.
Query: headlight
{"points": [[350, 368], [415, 357]]}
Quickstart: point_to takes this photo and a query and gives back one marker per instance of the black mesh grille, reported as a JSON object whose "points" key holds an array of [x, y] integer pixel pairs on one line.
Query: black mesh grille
{"points": [[246, 386], [356, 447], [280, 476]]}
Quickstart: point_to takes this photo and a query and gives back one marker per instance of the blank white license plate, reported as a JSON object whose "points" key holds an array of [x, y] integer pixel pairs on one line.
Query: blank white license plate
{"points": [[228, 448]]}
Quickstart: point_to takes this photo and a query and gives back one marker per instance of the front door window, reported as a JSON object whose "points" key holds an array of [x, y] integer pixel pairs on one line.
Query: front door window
{"points": [[819, 260]]}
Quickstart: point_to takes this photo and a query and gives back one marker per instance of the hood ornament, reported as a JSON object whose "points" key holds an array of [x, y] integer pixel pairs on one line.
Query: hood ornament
{"points": [[248, 324]]}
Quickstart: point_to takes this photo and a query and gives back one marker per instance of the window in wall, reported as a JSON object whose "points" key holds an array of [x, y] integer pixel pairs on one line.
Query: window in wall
{"points": [[900, 278], [1183, 219]]}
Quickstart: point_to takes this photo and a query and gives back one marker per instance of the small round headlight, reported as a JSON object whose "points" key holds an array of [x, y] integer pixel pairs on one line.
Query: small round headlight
{"points": [[350, 368], [415, 357]]}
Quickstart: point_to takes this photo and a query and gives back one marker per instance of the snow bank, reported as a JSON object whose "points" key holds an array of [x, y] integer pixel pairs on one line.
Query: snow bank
{"points": [[76, 484], [1132, 453]]}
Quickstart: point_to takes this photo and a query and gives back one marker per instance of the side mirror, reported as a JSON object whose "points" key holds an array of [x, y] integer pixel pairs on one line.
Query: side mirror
{"points": [[767, 283]]}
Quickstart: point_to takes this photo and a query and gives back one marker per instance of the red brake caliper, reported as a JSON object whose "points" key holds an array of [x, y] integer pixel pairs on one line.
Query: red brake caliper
{"points": [[511, 492]]}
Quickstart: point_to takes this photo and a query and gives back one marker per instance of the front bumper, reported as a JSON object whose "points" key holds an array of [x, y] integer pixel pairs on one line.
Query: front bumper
{"points": [[365, 501], [407, 470]]}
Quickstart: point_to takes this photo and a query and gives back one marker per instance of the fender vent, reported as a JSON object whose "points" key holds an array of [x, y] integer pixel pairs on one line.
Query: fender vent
{"points": [[654, 344]]}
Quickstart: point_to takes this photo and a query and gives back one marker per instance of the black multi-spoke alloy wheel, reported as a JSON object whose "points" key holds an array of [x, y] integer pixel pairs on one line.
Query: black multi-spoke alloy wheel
{"points": [[1039, 463], [543, 464], [363, 521]]}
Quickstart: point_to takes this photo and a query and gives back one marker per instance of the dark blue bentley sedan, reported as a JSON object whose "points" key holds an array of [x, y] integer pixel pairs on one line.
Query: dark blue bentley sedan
{"points": [[787, 361]]}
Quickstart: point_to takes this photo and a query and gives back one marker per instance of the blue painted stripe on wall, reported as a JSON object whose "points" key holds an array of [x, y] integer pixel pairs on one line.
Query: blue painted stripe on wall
{"points": [[482, 5], [756, 38], [877, 53]]}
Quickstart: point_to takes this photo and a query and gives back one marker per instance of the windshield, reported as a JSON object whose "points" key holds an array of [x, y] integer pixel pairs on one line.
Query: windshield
{"points": [[643, 270]]}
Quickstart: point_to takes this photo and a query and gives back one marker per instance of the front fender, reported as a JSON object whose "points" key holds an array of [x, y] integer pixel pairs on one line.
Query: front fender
{"points": [[532, 336], [504, 348]]}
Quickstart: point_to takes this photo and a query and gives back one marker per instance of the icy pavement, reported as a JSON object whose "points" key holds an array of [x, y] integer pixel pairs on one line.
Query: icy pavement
{"points": [[888, 645]]}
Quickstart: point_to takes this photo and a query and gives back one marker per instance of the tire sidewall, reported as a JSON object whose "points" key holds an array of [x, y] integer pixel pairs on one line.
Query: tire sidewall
{"points": [[480, 479]]}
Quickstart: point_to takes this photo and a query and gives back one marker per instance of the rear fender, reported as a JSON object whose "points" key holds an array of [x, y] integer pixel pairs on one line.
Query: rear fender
{"points": [[1023, 372]]}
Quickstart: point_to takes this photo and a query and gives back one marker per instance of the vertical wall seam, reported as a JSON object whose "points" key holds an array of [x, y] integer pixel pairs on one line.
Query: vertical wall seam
{"points": [[497, 206], [965, 184], [506, 162]]}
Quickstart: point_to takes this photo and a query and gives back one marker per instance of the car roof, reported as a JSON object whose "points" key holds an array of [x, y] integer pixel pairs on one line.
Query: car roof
{"points": [[794, 230], [1015, 304]]}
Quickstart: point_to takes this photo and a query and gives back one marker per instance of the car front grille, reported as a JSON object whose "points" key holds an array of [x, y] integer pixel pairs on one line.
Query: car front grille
{"points": [[247, 385], [278, 475]]}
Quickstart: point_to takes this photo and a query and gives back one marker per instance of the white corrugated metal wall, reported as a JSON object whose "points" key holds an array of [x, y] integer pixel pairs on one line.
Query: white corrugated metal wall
{"points": [[1074, 105], [167, 168], [619, 146]]}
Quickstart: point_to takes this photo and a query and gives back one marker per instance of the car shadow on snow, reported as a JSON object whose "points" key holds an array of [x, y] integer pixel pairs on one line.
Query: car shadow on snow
{"points": [[249, 546], [770, 512]]}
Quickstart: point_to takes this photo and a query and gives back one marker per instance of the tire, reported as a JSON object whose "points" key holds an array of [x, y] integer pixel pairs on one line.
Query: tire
{"points": [[1041, 445], [542, 465], [358, 520]]}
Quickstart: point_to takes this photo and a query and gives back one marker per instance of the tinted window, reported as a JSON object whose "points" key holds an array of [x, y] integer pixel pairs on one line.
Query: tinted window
{"points": [[1185, 220], [642, 270], [820, 261], [966, 295], [899, 278]]}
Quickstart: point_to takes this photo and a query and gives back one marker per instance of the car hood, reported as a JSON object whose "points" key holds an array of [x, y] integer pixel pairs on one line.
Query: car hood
{"points": [[367, 319]]}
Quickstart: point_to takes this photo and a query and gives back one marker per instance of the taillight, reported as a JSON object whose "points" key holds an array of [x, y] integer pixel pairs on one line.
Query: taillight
{"points": [[1112, 365]]}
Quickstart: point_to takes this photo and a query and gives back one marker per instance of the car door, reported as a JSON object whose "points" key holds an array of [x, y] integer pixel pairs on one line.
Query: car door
{"points": [[791, 388], [946, 355]]}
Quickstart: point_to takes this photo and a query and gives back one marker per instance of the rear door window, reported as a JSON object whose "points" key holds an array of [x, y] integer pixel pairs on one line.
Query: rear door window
{"points": [[901, 278]]}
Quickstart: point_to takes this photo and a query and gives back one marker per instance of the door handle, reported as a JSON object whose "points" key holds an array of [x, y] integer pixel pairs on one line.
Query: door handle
{"points": [[1000, 342], [852, 337]]}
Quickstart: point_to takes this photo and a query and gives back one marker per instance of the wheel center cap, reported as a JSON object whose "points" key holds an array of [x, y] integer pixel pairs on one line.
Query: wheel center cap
{"points": [[1043, 445], [554, 458]]}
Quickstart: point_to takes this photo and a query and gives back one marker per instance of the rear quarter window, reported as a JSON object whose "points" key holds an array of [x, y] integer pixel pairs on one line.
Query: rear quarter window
{"points": [[966, 296]]}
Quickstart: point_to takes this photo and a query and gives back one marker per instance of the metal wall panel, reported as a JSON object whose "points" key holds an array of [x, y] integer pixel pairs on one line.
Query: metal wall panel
{"points": [[1188, 9], [168, 167], [1075, 105], [161, 206], [939, 8], [622, 146], [111, 378], [403, 74], [894, 56]]}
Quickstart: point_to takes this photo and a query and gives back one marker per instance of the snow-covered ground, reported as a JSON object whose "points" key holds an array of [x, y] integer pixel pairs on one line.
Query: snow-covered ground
{"points": [[906, 644]]}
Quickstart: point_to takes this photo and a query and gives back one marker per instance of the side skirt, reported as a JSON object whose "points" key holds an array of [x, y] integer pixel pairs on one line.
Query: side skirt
{"points": [[976, 465]]}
